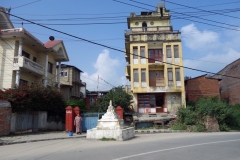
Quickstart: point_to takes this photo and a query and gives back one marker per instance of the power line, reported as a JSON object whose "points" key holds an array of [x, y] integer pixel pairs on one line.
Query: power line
{"points": [[106, 82], [115, 48], [26, 4], [191, 16], [66, 24], [217, 4], [201, 9], [95, 80]]}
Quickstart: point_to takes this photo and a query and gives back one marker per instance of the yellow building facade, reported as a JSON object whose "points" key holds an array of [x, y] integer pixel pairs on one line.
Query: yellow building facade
{"points": [[154, 56]]}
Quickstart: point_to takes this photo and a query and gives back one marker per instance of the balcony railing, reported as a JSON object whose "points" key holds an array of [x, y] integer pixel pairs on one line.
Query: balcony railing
{"points": [[155, 58], [171, 36], [160, 82], [148, 29], [28, 64]]}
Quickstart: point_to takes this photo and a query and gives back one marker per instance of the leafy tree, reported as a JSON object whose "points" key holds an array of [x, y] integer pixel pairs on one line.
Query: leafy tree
{"points": [[118, 96], [77, 102]]}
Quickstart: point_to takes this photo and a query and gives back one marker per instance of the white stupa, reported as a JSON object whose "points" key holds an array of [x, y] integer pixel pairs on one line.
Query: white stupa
{"points": [[111, 126]]}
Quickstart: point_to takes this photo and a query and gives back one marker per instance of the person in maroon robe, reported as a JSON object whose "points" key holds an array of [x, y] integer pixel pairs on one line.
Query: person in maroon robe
{"points": [[77, 124]]}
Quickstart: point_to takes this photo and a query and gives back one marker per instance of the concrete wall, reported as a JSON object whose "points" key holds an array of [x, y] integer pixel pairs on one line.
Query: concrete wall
{"points": [[5, 119]]}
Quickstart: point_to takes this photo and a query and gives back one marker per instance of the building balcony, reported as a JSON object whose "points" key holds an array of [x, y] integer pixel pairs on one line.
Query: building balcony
{"points": [[128, 88], [25, 63], [143, 30], [148, 36], [127, 71]]}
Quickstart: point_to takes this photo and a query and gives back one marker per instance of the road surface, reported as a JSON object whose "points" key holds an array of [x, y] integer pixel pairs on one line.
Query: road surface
{"points": [[162, 146]]}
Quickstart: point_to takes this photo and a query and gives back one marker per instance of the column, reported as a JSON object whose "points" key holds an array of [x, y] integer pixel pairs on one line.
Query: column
{"points": [[18, 71], [46, 71], [58, 74]]}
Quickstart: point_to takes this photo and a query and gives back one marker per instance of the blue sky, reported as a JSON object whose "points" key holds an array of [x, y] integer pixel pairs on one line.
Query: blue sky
{"points": [[205, 47]]}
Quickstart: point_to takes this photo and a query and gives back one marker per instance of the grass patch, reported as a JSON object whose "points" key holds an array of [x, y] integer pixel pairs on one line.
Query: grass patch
{"points": [[107, 139], [179, 127]]}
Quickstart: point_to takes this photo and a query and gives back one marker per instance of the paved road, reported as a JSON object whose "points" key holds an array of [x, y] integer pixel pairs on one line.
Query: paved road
{"points": [[164, 146]]}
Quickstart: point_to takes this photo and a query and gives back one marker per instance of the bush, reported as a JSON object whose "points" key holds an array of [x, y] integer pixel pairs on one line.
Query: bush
{"points": [[179, 127], [77, 102], [35, 98], [228, 116]]}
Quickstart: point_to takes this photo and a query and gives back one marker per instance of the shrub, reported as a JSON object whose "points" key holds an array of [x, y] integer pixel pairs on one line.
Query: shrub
{"points": [[77, 102], [35, 98]]}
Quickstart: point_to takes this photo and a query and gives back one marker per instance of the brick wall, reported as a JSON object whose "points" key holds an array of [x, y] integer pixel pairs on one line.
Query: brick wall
{"points": [[200, 87], [230, 87], [5, 120]]}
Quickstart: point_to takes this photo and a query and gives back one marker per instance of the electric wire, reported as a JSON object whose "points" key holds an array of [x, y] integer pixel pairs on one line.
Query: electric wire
{"points": [[200, 9], [117, 49], [191, 16], [26, 4]]}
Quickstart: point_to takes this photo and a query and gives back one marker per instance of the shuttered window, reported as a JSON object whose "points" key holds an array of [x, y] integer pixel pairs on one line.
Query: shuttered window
{"points": [[142, 52], [170, 75], [143, 75], [178, 78], [135, 72], [169, 53], [176, 51], [135, 53]]}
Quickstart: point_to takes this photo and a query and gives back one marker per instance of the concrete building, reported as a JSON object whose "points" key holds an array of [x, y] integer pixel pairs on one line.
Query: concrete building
{"points": [[229, 86], [71, 83], [154, 54], [26, 60], [201, 87]]}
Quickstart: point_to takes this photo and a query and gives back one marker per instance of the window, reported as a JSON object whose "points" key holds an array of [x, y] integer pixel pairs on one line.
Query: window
{"points": [[64, 73], [135, 53], [34, 59], [176, 53], [25, 54], [144, 26], [135, 72], [143, 75], [170, 77], [23, 82], [50, 67], [142, 52], [169, 53], [155, 55], [178, 78]]}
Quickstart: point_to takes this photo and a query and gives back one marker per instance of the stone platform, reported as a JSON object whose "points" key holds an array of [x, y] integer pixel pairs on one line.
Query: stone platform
{"points": [[118, 134], [111, 126]]}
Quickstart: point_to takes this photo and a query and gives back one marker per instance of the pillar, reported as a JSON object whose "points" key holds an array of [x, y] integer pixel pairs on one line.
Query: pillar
{"points": [[59, 74], [46, 71], [69, 119], [18, 71]]}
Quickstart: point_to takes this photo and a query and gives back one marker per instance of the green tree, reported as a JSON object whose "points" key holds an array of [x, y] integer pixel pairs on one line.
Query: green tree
{"points": [[77, 102], [118, 96]]}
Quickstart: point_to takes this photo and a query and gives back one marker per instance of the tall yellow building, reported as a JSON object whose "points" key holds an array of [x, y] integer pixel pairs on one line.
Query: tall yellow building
{"points": [[154, 56]]}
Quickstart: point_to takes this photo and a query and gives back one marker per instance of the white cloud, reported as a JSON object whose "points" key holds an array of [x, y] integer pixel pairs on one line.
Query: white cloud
{"points": [[213, 62], [106, 68], [199, 40]]}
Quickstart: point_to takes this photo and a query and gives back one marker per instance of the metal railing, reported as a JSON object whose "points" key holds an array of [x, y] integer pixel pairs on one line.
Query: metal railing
{"points": [[32, 64]]}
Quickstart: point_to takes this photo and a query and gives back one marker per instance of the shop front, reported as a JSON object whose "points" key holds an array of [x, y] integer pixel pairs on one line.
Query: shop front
{"points": [[151, 102]]}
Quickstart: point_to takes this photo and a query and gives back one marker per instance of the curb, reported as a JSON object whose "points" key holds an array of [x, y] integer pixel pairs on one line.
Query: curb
{"points": [[158, 131], [28, 141]]}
